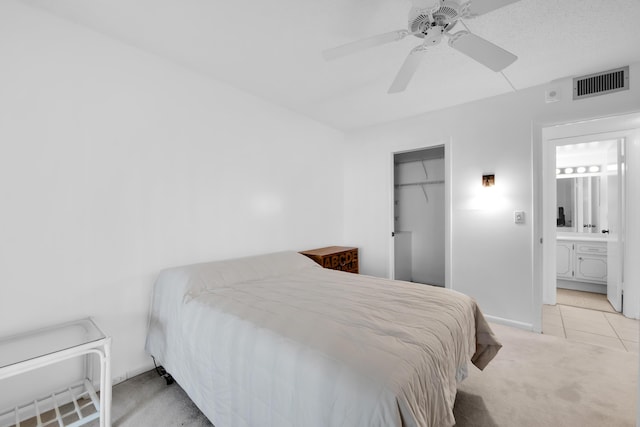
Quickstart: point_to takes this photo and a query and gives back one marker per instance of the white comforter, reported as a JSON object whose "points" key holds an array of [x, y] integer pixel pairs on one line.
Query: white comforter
{"points": [[276, 340]]}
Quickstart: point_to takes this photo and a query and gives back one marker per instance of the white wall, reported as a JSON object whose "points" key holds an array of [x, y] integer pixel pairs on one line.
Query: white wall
{"points": [[492, 258], [115, 164]]}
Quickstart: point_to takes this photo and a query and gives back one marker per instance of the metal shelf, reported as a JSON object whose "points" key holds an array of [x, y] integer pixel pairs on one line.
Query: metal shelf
{"points": [[441, 181], [420, 184]]}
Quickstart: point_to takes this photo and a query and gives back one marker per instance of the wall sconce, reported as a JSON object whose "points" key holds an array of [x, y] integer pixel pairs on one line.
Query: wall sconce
{"points": [[488, 180]]}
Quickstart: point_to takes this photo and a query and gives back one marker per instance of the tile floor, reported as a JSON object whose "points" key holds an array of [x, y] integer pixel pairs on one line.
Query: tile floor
{"points": [[584, 300], [602, 328]]}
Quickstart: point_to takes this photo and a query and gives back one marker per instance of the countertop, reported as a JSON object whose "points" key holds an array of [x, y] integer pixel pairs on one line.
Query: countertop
{"points": [[583, 237]]}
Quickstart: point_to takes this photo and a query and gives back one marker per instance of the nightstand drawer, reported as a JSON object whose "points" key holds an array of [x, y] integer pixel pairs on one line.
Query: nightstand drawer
{"points": [[335, 257]]}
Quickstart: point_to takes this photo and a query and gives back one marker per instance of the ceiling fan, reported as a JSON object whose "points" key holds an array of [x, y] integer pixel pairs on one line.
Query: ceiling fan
{"points": [[431, 20]]}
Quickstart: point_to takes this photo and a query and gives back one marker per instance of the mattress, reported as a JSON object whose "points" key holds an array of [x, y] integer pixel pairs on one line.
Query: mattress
{"points": [[276, 340]]}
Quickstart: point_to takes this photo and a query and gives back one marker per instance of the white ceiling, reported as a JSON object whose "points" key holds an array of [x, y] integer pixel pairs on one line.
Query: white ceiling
{"points": [[272, 48]]}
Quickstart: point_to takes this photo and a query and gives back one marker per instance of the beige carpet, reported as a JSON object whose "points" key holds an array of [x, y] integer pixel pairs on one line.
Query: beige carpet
{"points": [[542, 380], [536, 380]]}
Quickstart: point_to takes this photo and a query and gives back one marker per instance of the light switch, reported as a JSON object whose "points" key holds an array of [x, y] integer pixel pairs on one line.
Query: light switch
{"points": [[518, 217]]}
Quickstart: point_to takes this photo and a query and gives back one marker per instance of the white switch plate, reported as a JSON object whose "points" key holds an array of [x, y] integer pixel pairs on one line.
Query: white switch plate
{"points": [[518, 217]]}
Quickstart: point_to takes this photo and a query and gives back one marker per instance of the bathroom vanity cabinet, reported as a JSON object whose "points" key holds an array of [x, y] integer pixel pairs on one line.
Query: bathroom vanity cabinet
{"points": [[582, 264]]}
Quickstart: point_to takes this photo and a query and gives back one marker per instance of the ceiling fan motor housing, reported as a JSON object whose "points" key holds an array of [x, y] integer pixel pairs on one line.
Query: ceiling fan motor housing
{"points": [[445, 15]]}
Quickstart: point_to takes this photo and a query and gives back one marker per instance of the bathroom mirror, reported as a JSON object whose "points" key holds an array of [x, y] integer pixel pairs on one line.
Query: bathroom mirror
{"points": [[578, 204]]}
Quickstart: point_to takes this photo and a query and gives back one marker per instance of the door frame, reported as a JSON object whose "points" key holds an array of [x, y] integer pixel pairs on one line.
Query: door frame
{"points": [[549, 180], [543, 235], [448, 279]]}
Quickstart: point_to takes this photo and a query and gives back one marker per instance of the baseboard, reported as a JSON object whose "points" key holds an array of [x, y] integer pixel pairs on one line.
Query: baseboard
{"points": [[509, 322], [132, 373], [595, 288], [140, 370]]}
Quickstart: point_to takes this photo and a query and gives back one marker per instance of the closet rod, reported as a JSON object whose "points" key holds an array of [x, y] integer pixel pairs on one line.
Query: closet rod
{"points": [[404, 162], [420, 183]]}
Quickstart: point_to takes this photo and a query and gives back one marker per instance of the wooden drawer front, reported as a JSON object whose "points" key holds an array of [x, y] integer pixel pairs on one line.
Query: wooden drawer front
{"points": [[591, 248], [343, 260]]}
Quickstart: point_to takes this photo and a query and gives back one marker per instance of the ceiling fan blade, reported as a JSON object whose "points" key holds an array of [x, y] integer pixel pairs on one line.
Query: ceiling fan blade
{"points": [[369, 42], [408, 69], [480, 7], [483, 51]]}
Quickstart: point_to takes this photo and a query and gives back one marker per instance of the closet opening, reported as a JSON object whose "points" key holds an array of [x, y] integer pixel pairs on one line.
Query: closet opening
{"points": [[419, 216]]}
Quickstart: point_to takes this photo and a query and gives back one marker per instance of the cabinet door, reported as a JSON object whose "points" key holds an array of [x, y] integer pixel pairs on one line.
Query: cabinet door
{"points": [[591, 268], [564, 258]]}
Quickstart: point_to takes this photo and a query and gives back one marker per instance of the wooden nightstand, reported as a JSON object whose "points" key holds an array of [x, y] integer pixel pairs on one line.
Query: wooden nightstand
{"points": [[335, 257]]}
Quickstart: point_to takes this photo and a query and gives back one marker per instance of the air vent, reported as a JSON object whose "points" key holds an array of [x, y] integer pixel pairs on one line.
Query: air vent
{"points": [[601, 83]]}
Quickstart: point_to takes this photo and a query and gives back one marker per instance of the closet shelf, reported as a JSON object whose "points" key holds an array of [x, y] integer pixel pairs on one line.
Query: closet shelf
{"points": [[409, 184]]}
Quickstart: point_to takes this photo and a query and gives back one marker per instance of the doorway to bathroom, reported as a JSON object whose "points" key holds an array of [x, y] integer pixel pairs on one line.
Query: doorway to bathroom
{"points": [[419, 216], [589, 221], [571, 182], [587, 251]]}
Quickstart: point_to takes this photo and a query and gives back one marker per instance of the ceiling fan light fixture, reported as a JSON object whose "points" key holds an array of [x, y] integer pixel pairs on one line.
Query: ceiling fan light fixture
{"points": [[422, 20]]}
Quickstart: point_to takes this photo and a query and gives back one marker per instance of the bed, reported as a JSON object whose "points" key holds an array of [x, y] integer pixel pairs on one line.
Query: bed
{"points": [[276, 340]]}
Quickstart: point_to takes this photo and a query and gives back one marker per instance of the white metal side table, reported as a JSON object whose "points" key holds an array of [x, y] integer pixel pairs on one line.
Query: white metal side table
{"points": [[78, 403]]}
